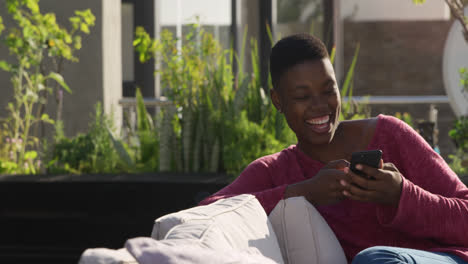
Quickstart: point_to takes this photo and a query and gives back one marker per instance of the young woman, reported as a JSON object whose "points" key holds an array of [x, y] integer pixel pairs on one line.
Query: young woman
{"points": [[413, 206]]}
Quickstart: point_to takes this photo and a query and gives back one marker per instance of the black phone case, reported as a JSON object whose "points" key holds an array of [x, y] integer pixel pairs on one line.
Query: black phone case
{"points": [[370, 158]]}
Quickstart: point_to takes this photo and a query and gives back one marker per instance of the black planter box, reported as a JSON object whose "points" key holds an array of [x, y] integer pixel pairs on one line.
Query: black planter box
{"points": [[52, 219]]}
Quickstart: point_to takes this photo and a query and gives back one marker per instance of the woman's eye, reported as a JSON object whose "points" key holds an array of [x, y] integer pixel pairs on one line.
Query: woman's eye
{"points": [[330, 91]]}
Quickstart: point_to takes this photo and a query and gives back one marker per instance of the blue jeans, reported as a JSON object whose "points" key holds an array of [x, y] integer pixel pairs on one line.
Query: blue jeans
{"points": [[396, 255]]}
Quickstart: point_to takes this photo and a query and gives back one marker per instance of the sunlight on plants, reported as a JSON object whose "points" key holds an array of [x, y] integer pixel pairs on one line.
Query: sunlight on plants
{"points": [[220, 121], [459, 135], [35, 42]]}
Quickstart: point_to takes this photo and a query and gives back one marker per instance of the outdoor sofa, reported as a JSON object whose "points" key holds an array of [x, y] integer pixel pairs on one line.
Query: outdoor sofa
{"points": [[231, 230]]}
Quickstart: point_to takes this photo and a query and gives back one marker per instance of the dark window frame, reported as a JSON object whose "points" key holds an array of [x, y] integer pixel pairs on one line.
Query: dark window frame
{"points": [[143, 72]]}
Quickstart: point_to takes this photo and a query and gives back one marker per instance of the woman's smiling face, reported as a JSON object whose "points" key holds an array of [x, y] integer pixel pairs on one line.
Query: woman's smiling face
{"points": [[308, 96]]}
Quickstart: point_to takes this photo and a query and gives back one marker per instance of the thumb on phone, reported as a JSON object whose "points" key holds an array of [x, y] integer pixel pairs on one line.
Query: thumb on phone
{"points": [[337, 164]]}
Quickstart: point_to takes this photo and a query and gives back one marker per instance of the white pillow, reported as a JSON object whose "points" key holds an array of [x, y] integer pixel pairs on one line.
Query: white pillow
{"points": [[235, 223], [303, 235], [106, 256], [150, 251]]}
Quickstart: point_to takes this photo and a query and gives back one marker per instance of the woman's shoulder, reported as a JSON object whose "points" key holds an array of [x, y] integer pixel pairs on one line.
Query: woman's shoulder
{"points": [[278, 159], [280, 156], [361, 123], [375, 131], [393, 127], [379, 124], [363, 129]]}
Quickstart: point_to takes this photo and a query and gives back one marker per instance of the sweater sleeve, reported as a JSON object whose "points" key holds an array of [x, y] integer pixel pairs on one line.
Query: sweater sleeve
{"points": [[256, 180], [433, 202]]}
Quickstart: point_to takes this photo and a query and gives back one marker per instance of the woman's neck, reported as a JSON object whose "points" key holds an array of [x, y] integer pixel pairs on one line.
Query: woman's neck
{"points": [[335, 149]]}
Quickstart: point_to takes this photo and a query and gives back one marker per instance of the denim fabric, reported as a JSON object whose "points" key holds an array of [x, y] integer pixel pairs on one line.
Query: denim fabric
{"points": [[396, 255]]}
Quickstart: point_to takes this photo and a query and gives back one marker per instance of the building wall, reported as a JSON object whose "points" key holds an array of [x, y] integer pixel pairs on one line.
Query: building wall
{"points": [[401, 58], [398, 57], [85, 78], [391, 10]]}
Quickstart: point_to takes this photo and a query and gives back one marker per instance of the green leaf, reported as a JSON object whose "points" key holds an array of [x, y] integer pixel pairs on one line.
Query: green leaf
{"points": [[121, 151], [136, 42], [350, 74], [77, 42], [59, 79], [270, 35], [12, 6], [67, 39], [87, 16], [30, 155], [84, 28], [2, 27], [142, 122], [332, 55], [8, 167], [5, 66], [75, 21], [33, 5], [46, 118], [50, 19]]}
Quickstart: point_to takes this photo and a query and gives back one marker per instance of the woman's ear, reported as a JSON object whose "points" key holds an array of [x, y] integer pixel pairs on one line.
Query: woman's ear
{"points": [[275, 98]]}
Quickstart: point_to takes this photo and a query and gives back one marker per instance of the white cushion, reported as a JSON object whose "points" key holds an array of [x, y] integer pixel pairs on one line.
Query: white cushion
{"points": [[303, 234], [236, 223], [106, 256], [169, 251]]}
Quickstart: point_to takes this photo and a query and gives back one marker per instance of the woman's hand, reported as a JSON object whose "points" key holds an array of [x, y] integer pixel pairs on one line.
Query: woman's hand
{"points": [[324, 187], [382, 185]]}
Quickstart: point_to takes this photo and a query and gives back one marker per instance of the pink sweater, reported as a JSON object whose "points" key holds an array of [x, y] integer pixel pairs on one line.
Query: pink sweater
{"points": [[433, 210]]}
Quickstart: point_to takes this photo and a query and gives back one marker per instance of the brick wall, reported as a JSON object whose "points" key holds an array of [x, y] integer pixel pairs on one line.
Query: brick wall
{"points": [[401, 58]]}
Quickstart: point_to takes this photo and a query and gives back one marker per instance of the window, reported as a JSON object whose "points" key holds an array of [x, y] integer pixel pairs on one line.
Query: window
{"points": [[213, 15], [302, 16]]}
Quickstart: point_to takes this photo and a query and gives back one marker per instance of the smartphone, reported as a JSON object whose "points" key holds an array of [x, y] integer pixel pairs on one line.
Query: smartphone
{"points": [[370, 158]]}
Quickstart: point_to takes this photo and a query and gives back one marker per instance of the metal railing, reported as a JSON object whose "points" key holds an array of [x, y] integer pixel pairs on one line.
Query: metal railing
{"points": [[128, 102], [423, 99]]}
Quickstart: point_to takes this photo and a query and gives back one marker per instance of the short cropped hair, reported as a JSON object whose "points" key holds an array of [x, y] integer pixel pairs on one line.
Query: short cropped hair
{"points": [[293, 50]]}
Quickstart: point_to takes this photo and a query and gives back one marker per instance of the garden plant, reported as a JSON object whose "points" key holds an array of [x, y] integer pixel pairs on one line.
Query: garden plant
{"points": [[38, 46], [219, 120], [459, 135]]}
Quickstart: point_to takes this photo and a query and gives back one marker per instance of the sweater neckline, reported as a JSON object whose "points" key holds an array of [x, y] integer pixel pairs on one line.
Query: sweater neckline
{"points": [[371, 145]]}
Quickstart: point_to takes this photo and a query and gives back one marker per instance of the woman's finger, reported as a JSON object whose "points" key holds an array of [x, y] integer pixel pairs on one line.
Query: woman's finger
{"points": [[351, 196], [337, 164], [339, 195], [362, 194], [359, 194], [363, 182], [377, 174], [390, 166]]}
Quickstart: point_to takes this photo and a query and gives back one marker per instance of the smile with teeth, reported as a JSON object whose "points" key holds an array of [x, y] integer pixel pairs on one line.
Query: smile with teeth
{"points": [[319, 124], [319, 120]]}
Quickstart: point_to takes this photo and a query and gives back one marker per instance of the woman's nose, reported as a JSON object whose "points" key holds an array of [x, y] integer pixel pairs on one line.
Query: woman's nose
{"points": [[318, 102]]}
